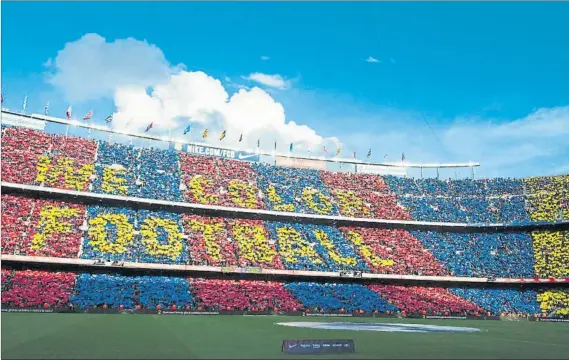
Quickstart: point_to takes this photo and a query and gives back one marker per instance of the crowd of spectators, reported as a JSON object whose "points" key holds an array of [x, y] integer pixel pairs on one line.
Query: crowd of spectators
{"points": [[474, 201], [40, 227], [501, 300], [67, 229], [549, 201], [393, 251], [116, 291], [427, 300], [477, 201], [110, 234], [554, 302], [508, 255], [47, 289], [255, 248], [21, 149], [298, 190], [15, 224], [208, 241], [35, 157], [314, 247], [30, 288], [116, 170], [159, 174], [363, 195], [38, 158], [335, 297], [161, 237], [251, 295], [224, 182]]}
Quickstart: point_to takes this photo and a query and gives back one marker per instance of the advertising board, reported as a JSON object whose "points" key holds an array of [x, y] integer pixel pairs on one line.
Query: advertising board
{"points": [[533, 318], [350, 274], [15, 120], [318, 346], [222, 153], [300, 163], [253, 270], [381, 170]]}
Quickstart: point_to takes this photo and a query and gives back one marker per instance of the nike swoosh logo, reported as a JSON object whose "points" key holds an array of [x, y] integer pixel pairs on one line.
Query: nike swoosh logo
{"points": [[291, 346], [241, 157]]}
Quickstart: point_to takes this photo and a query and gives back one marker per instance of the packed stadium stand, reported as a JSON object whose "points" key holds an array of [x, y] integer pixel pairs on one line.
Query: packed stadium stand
{"points": [[35, 224]]}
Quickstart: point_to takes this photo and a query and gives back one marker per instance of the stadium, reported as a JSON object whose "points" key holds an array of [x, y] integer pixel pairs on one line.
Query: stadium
{"points": [[173, 250]]}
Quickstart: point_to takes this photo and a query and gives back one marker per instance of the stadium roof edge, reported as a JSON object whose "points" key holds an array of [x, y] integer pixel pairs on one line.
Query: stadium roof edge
{"points": [[401, 164]]}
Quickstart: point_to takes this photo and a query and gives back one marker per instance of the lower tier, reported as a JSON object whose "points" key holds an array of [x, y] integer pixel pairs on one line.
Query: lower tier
{"points": [[41, 288]]}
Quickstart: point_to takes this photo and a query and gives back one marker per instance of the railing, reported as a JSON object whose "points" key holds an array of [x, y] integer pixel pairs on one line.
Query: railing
{"points": [[17, 119], [256, 271]]}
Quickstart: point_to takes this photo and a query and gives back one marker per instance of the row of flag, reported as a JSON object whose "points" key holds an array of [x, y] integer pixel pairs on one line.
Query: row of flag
{"points": [[188, 128], [205, 134], [68, 112], [87, 116]]}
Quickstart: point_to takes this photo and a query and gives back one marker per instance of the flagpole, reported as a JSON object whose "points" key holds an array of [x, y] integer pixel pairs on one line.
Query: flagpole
{"points": [[25, 104]]}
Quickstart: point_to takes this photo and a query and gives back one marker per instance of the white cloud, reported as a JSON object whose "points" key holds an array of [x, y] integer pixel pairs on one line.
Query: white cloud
{"points": [[535, 144], [147, 89], [541, 134], [275, 81], [91, 67], [371, 59], [264, 57]]}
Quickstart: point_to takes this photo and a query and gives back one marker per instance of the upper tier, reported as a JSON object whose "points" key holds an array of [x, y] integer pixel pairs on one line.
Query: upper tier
{"points": [[37, 158]]}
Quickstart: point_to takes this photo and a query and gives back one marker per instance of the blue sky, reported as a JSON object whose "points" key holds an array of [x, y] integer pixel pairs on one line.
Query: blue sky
{"points": [[490, 78]]}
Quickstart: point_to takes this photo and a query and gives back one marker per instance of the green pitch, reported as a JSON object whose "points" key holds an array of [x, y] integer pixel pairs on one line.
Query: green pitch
{"points": [[83, 336]]}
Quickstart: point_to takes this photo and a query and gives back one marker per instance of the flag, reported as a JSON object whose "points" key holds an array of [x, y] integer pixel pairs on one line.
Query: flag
{"points": [[290, 148], [258, 142], [46, 109], [354, 154], [68, 112], [25, 103], [88, 115], [325, 151], [187, 129], [402, 156], [338, 152], [109, 118], [2, 96], [222, 135], [275, 145], [369, 153], [385, 156], [204, 134], [149, 127], [240, 137]]}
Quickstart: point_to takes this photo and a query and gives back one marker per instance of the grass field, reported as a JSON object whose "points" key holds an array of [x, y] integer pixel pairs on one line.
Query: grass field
{"points": [[84, 336]]}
